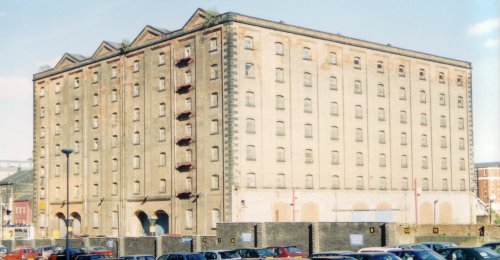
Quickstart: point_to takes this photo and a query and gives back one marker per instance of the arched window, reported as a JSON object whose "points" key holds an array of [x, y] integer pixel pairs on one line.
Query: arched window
{"points": [[404, 161], [280, 154], [334, 133], [279, 48], [248, 42], [382, 183], [251, 180], [332, 58], [334, 109], [335, 182], [357, 87], [307, 105], [309, 181], [421, 74], [249, 70], [307, 79], [381, 160], [137, 162], [359, 183], [335, 158], [280, 181], [250, 153], [136, 90], [280, 75], [401, 70], [359, 135], [425, 184], [308, 131], [425, 162], [333, 83], [250, 99], [306, 53], [357, 62], [380, 67], [358, 111], [250, 126], [214, 155], [441, 77], [359, 159]]}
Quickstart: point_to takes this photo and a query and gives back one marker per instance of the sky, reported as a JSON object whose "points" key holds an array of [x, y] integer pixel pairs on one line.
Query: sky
{"points": [[35, 33]]}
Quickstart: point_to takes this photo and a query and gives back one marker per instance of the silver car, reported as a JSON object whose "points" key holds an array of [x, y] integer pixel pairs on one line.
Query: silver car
{"points": [[220, 254]]}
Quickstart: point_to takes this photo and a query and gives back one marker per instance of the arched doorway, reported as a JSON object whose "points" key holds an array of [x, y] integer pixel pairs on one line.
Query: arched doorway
{"points": [[77, 223], [61, 224], [143, 223], [161, 227]]}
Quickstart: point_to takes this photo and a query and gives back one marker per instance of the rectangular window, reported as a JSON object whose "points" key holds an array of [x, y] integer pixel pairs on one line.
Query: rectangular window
{"points": [[213, 45], [214, 100], [333, 83], [249, 71], [280, 102], [136, 66], [214, 71], [280, 75], [214, 126], [161, 84], [280, 128], [161, 59]]}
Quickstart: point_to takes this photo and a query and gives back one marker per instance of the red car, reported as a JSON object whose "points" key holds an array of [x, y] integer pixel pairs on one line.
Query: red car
{"points": [[99, 250], [287, 251], [21, 252]]}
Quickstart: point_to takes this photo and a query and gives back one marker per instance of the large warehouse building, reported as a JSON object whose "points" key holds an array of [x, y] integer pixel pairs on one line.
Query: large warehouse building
{"points": [[236, 119]]}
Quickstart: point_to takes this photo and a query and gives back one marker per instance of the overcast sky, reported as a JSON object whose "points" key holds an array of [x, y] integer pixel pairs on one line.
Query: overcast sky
{"points": [[35, 33]]}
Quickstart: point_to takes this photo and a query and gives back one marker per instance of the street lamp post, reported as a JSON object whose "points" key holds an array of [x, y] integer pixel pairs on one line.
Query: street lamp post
{"points": [[491, 198], [435, 202], [67, 152]]}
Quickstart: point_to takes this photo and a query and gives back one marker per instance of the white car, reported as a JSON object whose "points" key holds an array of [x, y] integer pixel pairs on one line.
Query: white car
{"points": [[220, 255]]}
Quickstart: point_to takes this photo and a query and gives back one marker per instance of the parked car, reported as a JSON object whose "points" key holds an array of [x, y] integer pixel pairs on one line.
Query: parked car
{"points": [[377, 249], [468, 253], [415, 254], [414, 246], [374, 256], [180, 256], [287, 251], [265, 253], [220, 254], [91, 257], [99, 250], [248, 253], [21, 252], [138, 257], [330, 253], [436, 246], [61, 254], [45, 251], [494, 246], [3, 250], [333, 257]]}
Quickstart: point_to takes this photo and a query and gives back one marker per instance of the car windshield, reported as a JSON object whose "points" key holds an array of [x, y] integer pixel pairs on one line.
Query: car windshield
{"points": [[486, 252], [265, 252], [293, 250], [429, 255], [385, 257], [228, 254]]}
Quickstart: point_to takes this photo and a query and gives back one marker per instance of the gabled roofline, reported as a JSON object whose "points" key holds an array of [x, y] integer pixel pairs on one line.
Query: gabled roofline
{"points": [[147, 27], [264, 23], [105, 43]]}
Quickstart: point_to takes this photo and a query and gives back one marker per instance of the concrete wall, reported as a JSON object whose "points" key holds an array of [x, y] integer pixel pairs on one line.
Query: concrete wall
{"points": [[310, 236]]}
